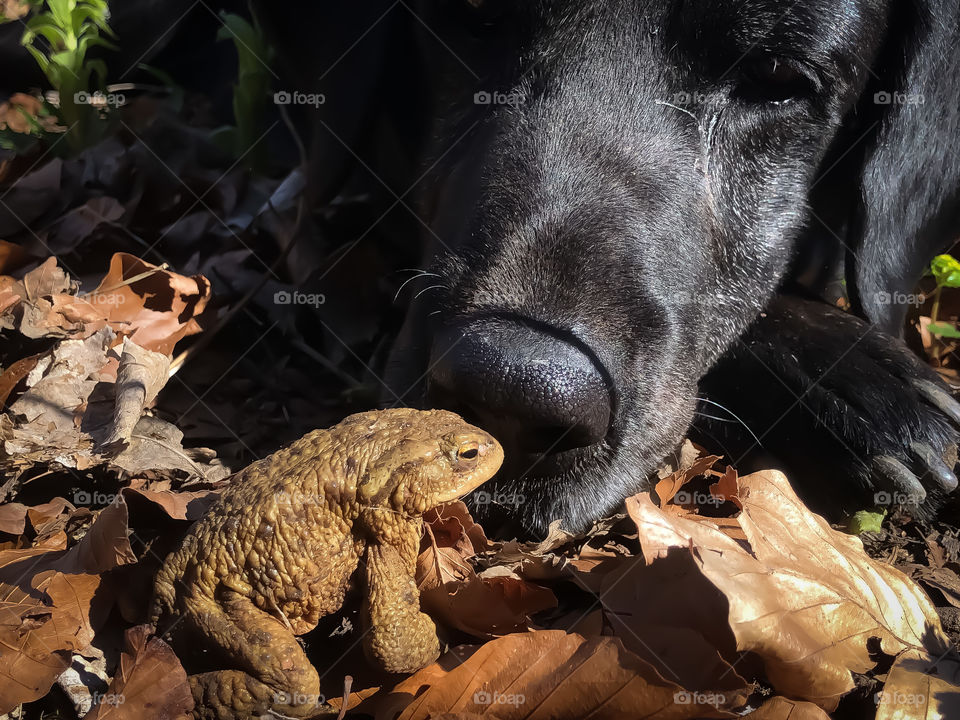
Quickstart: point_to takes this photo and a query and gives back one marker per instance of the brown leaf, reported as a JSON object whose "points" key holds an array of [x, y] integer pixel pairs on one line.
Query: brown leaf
{"points": [[437, 565], [14, 373], [46, 518], [12, 111], [725, 489], [47, 606], [41, 621], [154, 307], [13, 518], [62, 382], [921, 687], [149, 683], [670, 615], [781, 708], [805, 598], [453, 527], [455, 596], [669, 486], [549, 674], [178, 505]]}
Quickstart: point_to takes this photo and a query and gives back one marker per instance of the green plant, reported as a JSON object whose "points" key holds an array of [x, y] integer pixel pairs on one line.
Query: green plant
{"points": [[59, 35], [946, 272], [251, 91]]}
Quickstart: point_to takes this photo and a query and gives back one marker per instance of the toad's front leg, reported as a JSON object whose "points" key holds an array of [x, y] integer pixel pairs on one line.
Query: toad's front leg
{"points": [[400, 638]]}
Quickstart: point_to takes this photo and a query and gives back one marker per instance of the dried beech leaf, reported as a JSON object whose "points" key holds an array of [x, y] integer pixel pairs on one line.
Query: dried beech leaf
{"points": [[149, 683], [921, 687], [781, 708], [156, 308], [47, 607], [178, 505], [548, 674], [805, 598], [41, 620]]}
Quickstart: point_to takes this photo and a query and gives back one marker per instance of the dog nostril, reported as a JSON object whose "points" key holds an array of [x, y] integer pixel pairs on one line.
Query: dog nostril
{"points": [[532, 390]]}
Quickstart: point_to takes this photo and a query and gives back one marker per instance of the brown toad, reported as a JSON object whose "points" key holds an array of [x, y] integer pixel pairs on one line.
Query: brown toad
{"points": [[277, 550]]}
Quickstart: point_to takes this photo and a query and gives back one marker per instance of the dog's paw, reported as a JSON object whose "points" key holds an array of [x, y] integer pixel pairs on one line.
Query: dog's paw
{"points": [[851, 414]]}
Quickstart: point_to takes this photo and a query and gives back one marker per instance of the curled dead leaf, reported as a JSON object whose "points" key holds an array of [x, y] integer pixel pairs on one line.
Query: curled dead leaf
{"points": [[141, 375]]}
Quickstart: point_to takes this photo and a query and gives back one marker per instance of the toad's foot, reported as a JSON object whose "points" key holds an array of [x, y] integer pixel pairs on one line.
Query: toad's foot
{"points": [[274, 675]]}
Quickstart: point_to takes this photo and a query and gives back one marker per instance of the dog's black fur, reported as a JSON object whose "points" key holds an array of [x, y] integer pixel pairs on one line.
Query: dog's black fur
{"points": [[641, 215]]}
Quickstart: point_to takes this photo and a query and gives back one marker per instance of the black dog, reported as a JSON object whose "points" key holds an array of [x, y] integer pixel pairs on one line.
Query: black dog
{"points": [[634, 207]]}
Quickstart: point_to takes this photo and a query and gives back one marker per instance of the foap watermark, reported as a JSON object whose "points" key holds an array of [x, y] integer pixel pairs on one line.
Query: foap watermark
{"points": [[885, 97], [700, 499], [105, 298], [82, 497], [110, 699], [292, 497], [692, 298], [286, 297], [295, 97], [685, 697], [484, 97], [895, 697], [886, 499], [482, 497], [485, 697], [683, 99], [99, 99], [299, 699], [900, 298]]}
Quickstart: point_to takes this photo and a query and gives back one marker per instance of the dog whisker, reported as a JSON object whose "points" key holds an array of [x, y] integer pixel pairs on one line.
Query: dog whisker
{"points": [[735, 417], [423, 274]]}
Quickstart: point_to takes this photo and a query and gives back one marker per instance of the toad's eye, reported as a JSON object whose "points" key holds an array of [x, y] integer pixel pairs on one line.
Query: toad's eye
{"points": [[468, 451]]}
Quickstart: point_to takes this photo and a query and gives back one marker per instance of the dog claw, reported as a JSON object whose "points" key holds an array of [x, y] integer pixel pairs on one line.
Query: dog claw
{"points": [[935, 466], [893, 476], [939, 398]]}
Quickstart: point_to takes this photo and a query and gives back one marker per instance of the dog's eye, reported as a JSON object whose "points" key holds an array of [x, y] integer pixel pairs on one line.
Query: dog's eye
{"points": [[774, 80]]}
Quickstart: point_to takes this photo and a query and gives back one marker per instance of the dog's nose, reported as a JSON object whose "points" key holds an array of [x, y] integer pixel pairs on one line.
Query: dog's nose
{"points": [[529, 387]]}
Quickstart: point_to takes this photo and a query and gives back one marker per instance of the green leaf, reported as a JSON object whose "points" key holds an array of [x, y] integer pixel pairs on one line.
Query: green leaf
{"points": [[944, 330], [866, 521], [946, 270]]}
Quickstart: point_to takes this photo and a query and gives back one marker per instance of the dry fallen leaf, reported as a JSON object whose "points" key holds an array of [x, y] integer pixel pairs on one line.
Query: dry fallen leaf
{"points": [[669, 486], [921, 687], [13, 518], [781, 708], [50, 605], [44, 614], [141, 375], [805, 598], [149, 683], [156, 308], [453, 594], [178, 505], [549, 674]]}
